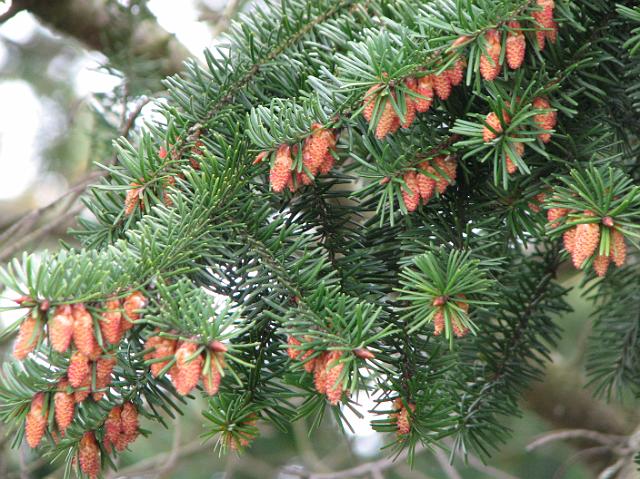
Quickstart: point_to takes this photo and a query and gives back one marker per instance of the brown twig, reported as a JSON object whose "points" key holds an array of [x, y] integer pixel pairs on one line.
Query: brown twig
{"points": [[13, 10], [611, 440]]}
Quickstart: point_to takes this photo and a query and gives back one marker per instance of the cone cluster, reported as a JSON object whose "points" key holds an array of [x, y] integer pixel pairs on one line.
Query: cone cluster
{"points": [[189, 363], [439, 321], [121, 427], [418, 94], [89, 455], [318, 150], [433, 176], [402, 416], [582, 241], [70, 329]]}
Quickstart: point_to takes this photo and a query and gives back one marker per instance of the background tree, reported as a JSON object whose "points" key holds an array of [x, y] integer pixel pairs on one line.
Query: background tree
{"points": [[355, 196]]}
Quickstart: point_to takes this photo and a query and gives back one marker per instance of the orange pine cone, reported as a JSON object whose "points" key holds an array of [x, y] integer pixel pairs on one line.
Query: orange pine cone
{"points": [[442, 85], [113, 425], [36, 421], [410, 114], [83, 391], [519, 150], [111, 322], [280, 172], [61, 329], [387, 121], [64, 406], [165, 349], [188, 370], [316, 147], [320, 373], [78, 370], [601, 264], [587, 240], [89, 455], [516, 46], [546, 27], [327, 163], [332, 386], [129, 419], [425, 90], [569, 239], [83, 336], [456, 72], [545, 121], [309, 366], [438, 322], [370, 101], [403, 417], [489, 134], [618, 248], [28, 337], [291, 351], [212, 378], [132, 305], [426, 184], [132, 199], [489, 60], [554, 214], [449, 167], [411, 193]]}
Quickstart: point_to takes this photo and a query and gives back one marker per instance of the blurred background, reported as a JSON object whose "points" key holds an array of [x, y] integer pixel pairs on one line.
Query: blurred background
{"points": [[74, 75]]}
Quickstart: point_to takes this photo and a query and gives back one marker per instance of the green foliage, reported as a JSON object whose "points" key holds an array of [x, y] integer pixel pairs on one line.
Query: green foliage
{"points": [[341, 264]]}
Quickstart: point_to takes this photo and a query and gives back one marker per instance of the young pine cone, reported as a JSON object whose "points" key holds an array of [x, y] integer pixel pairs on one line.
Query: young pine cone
{"points": [[61, 329], [28, 337]]}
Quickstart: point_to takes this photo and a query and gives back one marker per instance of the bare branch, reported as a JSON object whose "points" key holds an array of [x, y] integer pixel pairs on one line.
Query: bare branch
{"points": [[610, 440], [102, 26]]}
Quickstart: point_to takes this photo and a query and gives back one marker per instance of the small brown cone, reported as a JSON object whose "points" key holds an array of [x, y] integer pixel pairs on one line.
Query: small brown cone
{"points": [[61, 329], [327, 163], [489, 59], [442, 85], [132, 305], [516, 46], [449, 167], [601, 264], [456, 72], [166, 348], [518, 147], [410, 114], [111, 322], [438, 322], [320, 373], [28, 337], [569, 239], [36, 421], [587, 240], [280, 172], [78, 369], [411, 193], [129, 419], [132, 199], [334, 369], [211, 379], [316, 147], [387, 121], [426, 184], [89, 455], [425, 90], [370, 101], [618, 248], [293, 352], [188, 370], [545, 121], [493, 127], [83, 390], [554, 214], [64, 406], [83, 336], [113, 425]]}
